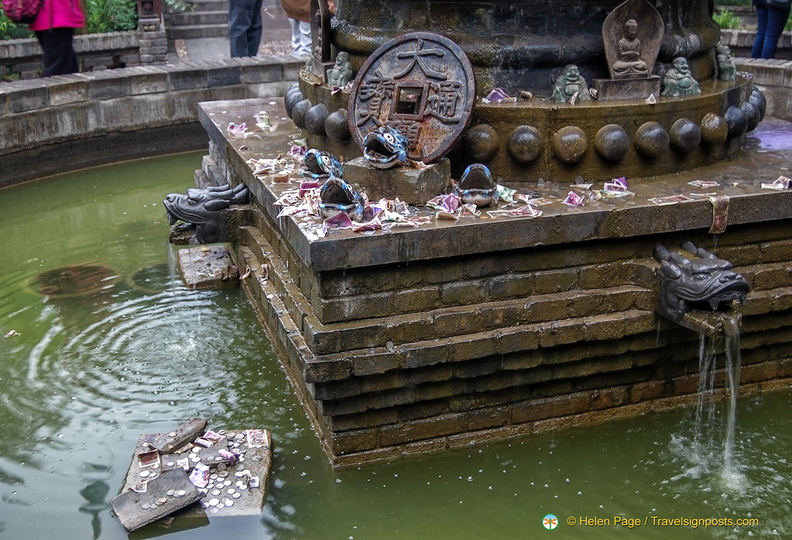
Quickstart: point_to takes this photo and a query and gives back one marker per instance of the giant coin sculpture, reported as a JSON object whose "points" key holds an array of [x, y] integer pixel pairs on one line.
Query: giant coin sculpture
{"points": [[421, 84]]}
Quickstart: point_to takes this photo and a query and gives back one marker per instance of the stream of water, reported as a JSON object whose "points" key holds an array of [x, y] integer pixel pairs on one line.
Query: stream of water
{"points": [[83, 374]]}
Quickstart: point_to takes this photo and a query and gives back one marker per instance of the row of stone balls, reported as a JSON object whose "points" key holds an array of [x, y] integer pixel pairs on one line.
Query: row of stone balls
{"points": [[570, 143], [612, 142], [316, 119]]}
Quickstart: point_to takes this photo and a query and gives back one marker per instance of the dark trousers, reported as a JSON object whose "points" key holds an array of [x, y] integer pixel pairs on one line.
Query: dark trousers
{"points": [[59, 55], [770, 24], [244, 27]]}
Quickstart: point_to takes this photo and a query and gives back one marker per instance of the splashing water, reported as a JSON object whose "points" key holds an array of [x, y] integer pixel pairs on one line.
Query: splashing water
{"points": [[705, 449]]}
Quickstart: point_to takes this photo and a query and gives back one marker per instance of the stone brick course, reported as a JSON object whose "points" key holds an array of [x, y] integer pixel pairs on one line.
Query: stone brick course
{"points": [[74, 109]]}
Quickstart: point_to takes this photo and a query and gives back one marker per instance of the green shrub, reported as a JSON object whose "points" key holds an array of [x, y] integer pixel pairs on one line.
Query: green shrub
{"points": [[10, 30], [726, 20], [110, 16], [734, 2], [100, 16]]}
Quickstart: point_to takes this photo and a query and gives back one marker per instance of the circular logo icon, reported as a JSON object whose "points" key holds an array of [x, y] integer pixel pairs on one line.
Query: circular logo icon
{"points": [[550, 522]]}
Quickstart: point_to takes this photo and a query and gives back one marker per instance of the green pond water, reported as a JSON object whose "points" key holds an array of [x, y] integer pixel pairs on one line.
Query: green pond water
{"points": [[92, 367]]}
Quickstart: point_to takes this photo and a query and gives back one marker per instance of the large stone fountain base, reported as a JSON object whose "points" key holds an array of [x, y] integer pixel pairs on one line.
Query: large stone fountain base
{"points": [[482, 329]]}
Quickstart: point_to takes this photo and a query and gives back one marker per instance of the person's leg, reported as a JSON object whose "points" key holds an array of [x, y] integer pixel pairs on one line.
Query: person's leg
{"points": [[59, 55], [305, 39], [761, 28], [776, 19], [295, 37], [254, 32], [239, 20]]}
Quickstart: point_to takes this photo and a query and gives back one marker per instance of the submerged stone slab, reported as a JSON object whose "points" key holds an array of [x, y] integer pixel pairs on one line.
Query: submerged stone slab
{"points": [[410, 184], [209, 266], [159, 484], [166, 494], [179, 437]]}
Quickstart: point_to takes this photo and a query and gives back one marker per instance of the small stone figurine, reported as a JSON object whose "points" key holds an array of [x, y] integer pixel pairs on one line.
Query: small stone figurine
{"points": [[727, 71], [678, 82], [570, 86], [340, 74], [630, 64]]}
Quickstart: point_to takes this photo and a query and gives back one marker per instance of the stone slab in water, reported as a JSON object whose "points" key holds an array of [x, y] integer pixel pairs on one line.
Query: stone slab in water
{"points": [[166, 494], [208, 266], [243, 484], [182, 435]]}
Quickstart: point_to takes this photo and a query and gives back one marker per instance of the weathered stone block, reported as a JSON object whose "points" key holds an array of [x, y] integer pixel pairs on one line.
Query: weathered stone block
{"points": [[434, 373], [612, 89], [425, 356], [150, 82], [337, 389], [759, 372], [353, 307], [70, 90], [411, 185], [517, 340], [422, 409], [510, 286], [223, 76], [415, 300], [488, 418], [687, 384], [207, 267], [521, 360], [462, 293], [366, 420], [645, 391], [261, 73], [471, 347], [317, 370], [377, 363], [423, 429], [185, 77], [437, 391], [25, 96], [776, 251], [103, 85], [558, 280], [348, 442], [612, 397], [540, 409]]}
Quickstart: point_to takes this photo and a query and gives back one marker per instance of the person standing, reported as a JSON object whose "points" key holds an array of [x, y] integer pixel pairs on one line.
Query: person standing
{"points": [[298, 12], [771, 17], [54, 27], [244, 27]]}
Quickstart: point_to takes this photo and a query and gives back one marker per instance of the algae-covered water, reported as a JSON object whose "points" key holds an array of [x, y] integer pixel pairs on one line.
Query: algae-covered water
{"points": [[85, 369]]}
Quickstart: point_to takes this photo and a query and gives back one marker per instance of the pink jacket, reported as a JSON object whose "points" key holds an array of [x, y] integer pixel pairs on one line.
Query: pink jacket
{"points": [[59, 14]]}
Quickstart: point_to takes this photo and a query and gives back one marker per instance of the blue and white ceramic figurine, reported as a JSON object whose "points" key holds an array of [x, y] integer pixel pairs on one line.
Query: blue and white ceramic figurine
{"points": [[477, 186], [385, 147], [321, 165], [337, 196]]}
